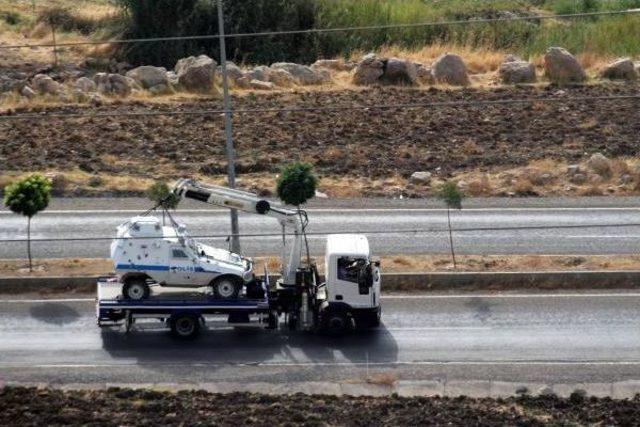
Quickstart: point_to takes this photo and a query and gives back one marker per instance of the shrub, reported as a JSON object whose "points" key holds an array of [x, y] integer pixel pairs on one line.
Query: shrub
{"points": [[64, 20], [297, 184], [160, 193]]}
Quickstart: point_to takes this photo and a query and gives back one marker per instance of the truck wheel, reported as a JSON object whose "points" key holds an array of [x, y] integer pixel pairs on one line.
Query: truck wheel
{"points": [[136, 289], [185, 326], [336, 322], [226, 288]]}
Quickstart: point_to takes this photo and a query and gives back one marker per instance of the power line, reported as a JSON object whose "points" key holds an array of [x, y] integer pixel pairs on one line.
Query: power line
{"points": [[435, 104], [328, 30], [368, 232]]}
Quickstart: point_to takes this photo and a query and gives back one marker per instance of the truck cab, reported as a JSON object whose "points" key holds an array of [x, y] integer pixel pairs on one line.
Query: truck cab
{"points": [[352, 280]]}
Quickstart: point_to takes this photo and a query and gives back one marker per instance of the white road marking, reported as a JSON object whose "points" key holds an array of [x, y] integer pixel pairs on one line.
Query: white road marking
{"points": [[303, 364], [339, 210], [392, 297]]}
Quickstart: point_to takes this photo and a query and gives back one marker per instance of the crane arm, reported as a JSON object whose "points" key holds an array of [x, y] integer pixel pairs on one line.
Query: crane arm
{"points": [[248, 202]]}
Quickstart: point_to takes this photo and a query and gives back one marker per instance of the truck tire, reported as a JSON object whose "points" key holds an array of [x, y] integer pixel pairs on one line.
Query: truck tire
{"points": [[226, 287], [335, 322], [136, 289], [185, 326]]}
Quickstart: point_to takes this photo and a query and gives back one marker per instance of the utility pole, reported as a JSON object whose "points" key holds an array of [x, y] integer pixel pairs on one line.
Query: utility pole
{"points": [[228, 131]]}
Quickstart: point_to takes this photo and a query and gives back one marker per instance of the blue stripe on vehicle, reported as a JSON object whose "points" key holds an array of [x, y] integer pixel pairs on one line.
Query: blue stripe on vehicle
{"points": [[159, 268]]}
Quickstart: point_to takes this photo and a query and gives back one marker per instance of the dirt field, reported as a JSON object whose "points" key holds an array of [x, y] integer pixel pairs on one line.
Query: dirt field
{"points": [[390, 264], [367, 145], [29, 406]]}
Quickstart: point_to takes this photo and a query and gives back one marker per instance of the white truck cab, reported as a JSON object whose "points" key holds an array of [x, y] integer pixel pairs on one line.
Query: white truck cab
{"points": [[146, 251]]}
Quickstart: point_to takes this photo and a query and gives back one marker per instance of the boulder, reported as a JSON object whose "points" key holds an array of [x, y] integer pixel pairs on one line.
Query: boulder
{"points": [[27, 92], [172, 78], [243, 82], [147, 76], [161, 89], [636, 65], [12, 82], [515, 72], [281, 78], [333, 64], [400, 71], [562, 67], [369, 70], [424, 74], [620, 69], [420, 178], [84, 85], [599, 164], [450, 69], [233, 71], [578, 178], [260, 85], [46, 85], [196, 74], [259, 73], [302, 73], [113, 84]]}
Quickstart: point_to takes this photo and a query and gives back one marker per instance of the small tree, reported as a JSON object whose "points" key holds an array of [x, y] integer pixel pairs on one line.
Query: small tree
{"points": [[452, 196], [28, 197], [162, 196], [295, 186]]}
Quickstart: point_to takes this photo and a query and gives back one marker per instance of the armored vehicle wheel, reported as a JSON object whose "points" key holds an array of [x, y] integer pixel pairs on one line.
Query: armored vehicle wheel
{"points": [[136, 289], [226, 287], [185, 326]]}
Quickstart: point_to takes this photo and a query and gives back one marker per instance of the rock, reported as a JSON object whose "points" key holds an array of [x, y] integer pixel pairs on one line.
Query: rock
{"points": [[172, 78], [196, 74], [450, 69], [147, 76], [161, 89], [46, 85], [303, 74], [27, 92], [562, 67], [113, 84], [96, 100], [620, 69], [636, 65], [400, 71], [369, 70], [626, 179], [233, 71], [512, 58], [85, 85], [259, 73], [260, 85], [281, 78], [600, 165], [517, 72], [321, 195], [420, 178], [243, 82], [330, 64], [573, 169], [12, 82], [424, 74]]}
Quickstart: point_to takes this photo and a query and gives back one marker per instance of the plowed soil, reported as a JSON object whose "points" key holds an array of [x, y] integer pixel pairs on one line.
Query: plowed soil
{"points": [[366, 143], [26, 407]]}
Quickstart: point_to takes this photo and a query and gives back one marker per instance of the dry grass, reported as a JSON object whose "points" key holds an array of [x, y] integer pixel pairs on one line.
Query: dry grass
{"points": [[390, 264]]}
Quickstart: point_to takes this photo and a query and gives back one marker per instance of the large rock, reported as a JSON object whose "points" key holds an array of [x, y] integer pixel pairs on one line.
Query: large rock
{"points": [[85, 85], [197, 74], [260, 85], [422, 177], [302, 73], [562, 67], [620, 69], [148, 76], [514, 72], [600, 164], [27, 92], [424, 74], [12, 81], [259, 73], [333, 64], [400, 71], [113, 84], [46, 85], [369, 70], [450, 69], [233, 71], [281, 78]]}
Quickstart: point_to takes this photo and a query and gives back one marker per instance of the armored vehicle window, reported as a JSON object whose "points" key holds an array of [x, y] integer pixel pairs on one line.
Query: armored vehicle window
{"points": [[179, 253], [348, 268]]}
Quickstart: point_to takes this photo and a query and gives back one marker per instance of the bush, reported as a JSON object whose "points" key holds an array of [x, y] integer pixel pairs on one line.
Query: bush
{"points": [[296, 184], [160, 193], [64, 20], [166, 18]]}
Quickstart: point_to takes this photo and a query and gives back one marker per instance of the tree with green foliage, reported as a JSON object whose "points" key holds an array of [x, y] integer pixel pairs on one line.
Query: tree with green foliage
{"points": [[27, 197], [162, 196], [452, 196], [297, 184]]}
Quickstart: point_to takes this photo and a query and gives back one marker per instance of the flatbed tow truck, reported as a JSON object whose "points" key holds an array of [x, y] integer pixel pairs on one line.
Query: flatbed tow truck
{"points": [[348, 299]]}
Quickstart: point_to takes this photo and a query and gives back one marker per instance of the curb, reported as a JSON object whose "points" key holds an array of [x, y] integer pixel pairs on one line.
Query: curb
{"points": [[406, 388], [437, 281]]}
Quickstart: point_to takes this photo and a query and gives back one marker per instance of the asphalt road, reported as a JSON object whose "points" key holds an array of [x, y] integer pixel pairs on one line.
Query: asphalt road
{"points": [[389, 225], [551, 338]]}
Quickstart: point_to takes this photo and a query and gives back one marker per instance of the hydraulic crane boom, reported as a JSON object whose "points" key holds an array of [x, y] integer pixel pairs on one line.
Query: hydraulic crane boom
{"points": [[250, 203]]}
